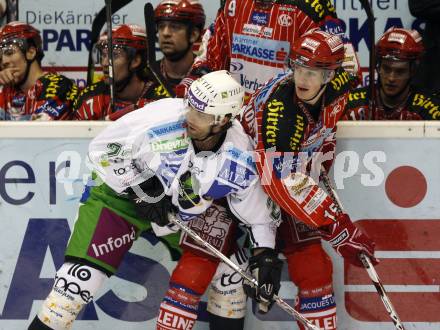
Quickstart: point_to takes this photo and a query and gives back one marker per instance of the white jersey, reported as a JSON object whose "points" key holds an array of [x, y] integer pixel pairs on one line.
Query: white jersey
{"points": [[153, 141]]}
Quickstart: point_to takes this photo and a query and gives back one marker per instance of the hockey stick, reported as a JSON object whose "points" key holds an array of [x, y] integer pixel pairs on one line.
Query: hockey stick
{"points": [[280, 302], [98, 23], [150, 28], [366, 261], [108, 14], [372, 62]]}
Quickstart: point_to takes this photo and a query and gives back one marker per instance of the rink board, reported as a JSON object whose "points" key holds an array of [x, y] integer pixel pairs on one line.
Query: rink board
{"points": [[390, 179]]}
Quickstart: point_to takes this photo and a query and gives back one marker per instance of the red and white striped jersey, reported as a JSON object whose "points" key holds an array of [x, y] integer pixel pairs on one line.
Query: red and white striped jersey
{"points": [[252, 40]]}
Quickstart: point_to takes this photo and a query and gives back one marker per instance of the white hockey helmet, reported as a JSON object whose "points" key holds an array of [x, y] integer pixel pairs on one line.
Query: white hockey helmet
{"points": [[216, 93]]}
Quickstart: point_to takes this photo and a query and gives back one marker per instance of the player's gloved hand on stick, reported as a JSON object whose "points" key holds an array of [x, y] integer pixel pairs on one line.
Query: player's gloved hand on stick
{"points": [[348, 240], [266, 268], [150, 201]]}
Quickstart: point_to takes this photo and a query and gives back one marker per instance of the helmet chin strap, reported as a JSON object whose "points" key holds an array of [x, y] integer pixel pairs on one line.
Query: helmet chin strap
{"points": [[404, 90], [316, 96], [26, 73], [122, 84]]}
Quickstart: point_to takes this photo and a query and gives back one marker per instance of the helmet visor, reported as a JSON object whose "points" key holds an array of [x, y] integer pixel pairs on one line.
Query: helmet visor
{"points": [[303, 75], [101, 53], [11, 47]]}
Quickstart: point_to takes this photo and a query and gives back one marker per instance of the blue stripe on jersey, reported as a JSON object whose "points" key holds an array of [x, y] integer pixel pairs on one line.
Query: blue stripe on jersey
{"points": [[317, 303], [186, 293], [219, 190]]}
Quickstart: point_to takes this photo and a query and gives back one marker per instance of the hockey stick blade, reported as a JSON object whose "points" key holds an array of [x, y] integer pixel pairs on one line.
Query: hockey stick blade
{"points": [[150, 27], [280, 302], [366, 262]]}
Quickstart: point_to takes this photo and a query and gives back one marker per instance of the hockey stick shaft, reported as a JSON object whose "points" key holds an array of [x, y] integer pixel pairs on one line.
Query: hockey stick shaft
{"points": [[374, 277], [150, 27], [97, 24], [280, 302], [108, 11], [372, 58], [381, 291]]}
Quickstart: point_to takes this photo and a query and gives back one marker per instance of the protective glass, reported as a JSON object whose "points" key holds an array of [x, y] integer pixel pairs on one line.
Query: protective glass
{"points": [[100, 52], [11, 47]]}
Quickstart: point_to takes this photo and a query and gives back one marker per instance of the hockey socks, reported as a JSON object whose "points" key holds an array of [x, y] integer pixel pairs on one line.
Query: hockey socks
{"points": [[75, 285], [319, 309], [178, 310]]}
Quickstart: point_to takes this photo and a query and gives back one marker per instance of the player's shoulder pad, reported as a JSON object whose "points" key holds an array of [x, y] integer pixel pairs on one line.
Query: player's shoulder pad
{"points": [[98, 88], [338, 86], [264, 93], [317, 10], [55, 85], [425, 104]]}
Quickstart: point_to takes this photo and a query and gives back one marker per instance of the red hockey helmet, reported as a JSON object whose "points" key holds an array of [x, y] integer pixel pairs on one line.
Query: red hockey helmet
{"points": [[185, 11], [400, 45], [318, 49], [23, 34], [128, 35]]}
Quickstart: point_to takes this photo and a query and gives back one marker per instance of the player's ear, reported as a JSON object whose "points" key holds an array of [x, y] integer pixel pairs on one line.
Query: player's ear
{"points": [[226, 119], [31, 53], [194, 35], [136, 62]]}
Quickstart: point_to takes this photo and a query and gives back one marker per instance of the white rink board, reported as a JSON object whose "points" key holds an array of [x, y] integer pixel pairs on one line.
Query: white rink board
{"points": [[32, 249]]}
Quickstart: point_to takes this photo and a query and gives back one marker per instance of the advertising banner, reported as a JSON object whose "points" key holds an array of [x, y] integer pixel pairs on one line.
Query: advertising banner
{"points": [[389, 186], [66, 29], [65, 26]]}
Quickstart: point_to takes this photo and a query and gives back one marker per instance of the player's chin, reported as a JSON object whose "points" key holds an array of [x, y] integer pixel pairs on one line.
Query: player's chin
{"points": [[168, 50], [392, 91], [303, 93]]}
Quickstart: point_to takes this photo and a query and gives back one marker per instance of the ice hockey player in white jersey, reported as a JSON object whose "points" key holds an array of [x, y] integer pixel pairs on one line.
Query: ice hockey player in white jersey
{"points": [[172, 154]]}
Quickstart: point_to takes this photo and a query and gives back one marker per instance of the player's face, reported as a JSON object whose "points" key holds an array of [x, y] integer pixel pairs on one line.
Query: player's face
{"points": [[308, 81], [12, 57], [120, 64], [173, 37], [394, 76], [199, 124]]}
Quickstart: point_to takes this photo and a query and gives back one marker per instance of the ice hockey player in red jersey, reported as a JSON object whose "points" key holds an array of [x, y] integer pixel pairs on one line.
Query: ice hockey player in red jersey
{"points": [[252, 38], [26, 92], [134, 86], [180, 24], [293, 122], [398, 53]]}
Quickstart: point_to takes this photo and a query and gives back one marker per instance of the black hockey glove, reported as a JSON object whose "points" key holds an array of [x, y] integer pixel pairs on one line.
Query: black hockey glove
{"points": [[157, 211], [266, 268]]}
